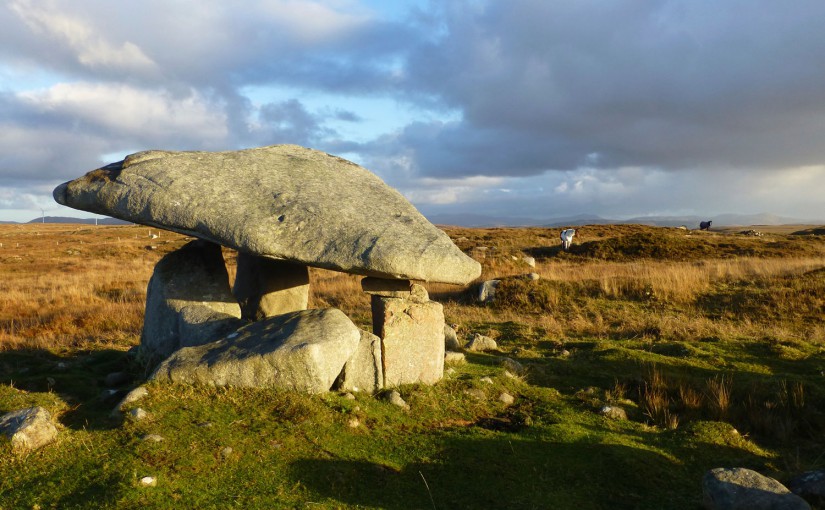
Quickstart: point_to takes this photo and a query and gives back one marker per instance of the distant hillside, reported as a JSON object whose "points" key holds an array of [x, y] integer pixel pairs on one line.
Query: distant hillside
{"points": [[84, 221], [480, 220]]}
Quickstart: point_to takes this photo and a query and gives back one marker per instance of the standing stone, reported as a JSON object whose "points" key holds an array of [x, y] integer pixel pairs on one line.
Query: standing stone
{"points": [[286, 202], [744, 489], [188, 301], [267, 287], [28, 429], [301, 351], [412, 337], [364, 370]]}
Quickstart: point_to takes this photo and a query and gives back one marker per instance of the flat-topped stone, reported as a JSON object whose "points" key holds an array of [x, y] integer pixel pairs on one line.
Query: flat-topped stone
{"points": [[284, 201]]}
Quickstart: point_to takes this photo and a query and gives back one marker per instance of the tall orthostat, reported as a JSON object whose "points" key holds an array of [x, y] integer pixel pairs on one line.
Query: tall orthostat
{"points": [[297, 207]]}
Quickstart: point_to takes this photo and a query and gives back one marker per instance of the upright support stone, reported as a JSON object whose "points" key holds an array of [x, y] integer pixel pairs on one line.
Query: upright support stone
{"points": [[412, 337], [188, 301], [266, 287]]}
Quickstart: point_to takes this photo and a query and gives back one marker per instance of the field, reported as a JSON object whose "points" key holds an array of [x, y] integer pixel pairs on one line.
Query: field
{"points": [[712, 342]]}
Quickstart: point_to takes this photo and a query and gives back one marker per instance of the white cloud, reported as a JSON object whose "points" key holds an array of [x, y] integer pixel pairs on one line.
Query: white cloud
{"points": [[90, 48], [128, 111]]}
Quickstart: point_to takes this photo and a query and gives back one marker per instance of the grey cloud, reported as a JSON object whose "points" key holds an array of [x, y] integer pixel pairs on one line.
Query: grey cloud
{"points": [[666, 84]]}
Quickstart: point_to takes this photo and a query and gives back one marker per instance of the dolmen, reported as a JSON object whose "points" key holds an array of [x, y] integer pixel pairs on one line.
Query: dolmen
{"points": [[284, 208]]}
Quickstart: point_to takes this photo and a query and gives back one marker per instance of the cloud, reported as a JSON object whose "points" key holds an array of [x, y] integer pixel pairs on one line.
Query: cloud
{"points": [[672, 85]]}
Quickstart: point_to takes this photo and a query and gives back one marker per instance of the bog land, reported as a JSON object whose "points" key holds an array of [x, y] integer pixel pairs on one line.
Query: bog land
{"points": [[712, 343]]}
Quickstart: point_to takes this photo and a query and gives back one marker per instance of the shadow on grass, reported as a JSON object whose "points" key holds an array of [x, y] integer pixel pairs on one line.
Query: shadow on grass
{"points": [[78, 379], [512, 472]]}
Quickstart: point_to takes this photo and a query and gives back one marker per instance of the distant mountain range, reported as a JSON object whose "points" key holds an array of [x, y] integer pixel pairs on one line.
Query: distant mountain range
{"points": [[66, 219], [479, 220]]}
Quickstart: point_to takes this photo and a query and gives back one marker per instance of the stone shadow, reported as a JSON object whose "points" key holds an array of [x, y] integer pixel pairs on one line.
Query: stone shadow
{"points": [[78, 379], [509, 471]]}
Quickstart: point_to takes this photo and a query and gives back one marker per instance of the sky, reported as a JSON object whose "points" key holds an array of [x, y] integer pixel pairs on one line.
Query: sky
{"points": [[517, 108]]}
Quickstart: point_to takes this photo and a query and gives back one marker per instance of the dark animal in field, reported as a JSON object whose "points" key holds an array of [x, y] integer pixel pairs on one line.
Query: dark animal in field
{"points": [[705, 225], [567, 238]]}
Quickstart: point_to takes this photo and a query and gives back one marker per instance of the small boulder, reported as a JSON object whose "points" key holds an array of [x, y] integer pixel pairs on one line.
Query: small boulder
{"points": [[506, 399], [451, 339], [811, 486], [28, 429], [530, 261], [481, 342], [613, 412], [133, 396], [454, 357], [395, 399], [363, 371], [487, 291], [476, 393], [741, 489]]}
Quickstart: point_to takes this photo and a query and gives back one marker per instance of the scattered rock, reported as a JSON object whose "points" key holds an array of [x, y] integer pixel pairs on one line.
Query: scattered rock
{"points": [[740, 488], [303, 351], [810, 486], [28, 429], [487, 291], [152, 438], [753, 233], [512, 366], [451, 339], [506, 398], [480, 342], [353, 423], [133, 396], [454, 357], [137, 414], [349, 396], [530, 261], [285, 202], [226, 452], [395, 399], [486, 379], [149, 481], [533, 277], [613, 412]]}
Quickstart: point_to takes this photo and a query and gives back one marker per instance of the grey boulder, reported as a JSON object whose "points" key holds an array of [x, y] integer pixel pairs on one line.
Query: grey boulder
{"points": [[284, 201], [301, 351], [28, 429], [744, 489]]}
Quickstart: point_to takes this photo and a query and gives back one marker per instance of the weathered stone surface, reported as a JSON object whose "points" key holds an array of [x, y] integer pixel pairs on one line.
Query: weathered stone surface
{"points": [[481, 342], [451, 342], [301, 351], [744, 489], [284, 201], [412, 339], [267, 287], [188, 301], [811, 486], [363, 371], [487, 291], [28, 429]]}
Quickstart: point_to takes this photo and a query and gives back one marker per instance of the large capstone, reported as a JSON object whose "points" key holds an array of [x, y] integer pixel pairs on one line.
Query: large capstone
{"points": [[303, 351], [284, 201], [188, 301]]}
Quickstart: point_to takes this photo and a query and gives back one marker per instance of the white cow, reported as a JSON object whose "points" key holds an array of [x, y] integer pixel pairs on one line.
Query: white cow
{"points": [[567, 238]]}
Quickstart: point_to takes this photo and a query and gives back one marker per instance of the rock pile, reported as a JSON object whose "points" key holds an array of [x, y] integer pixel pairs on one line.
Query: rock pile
{"points": [[283, 208]]}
